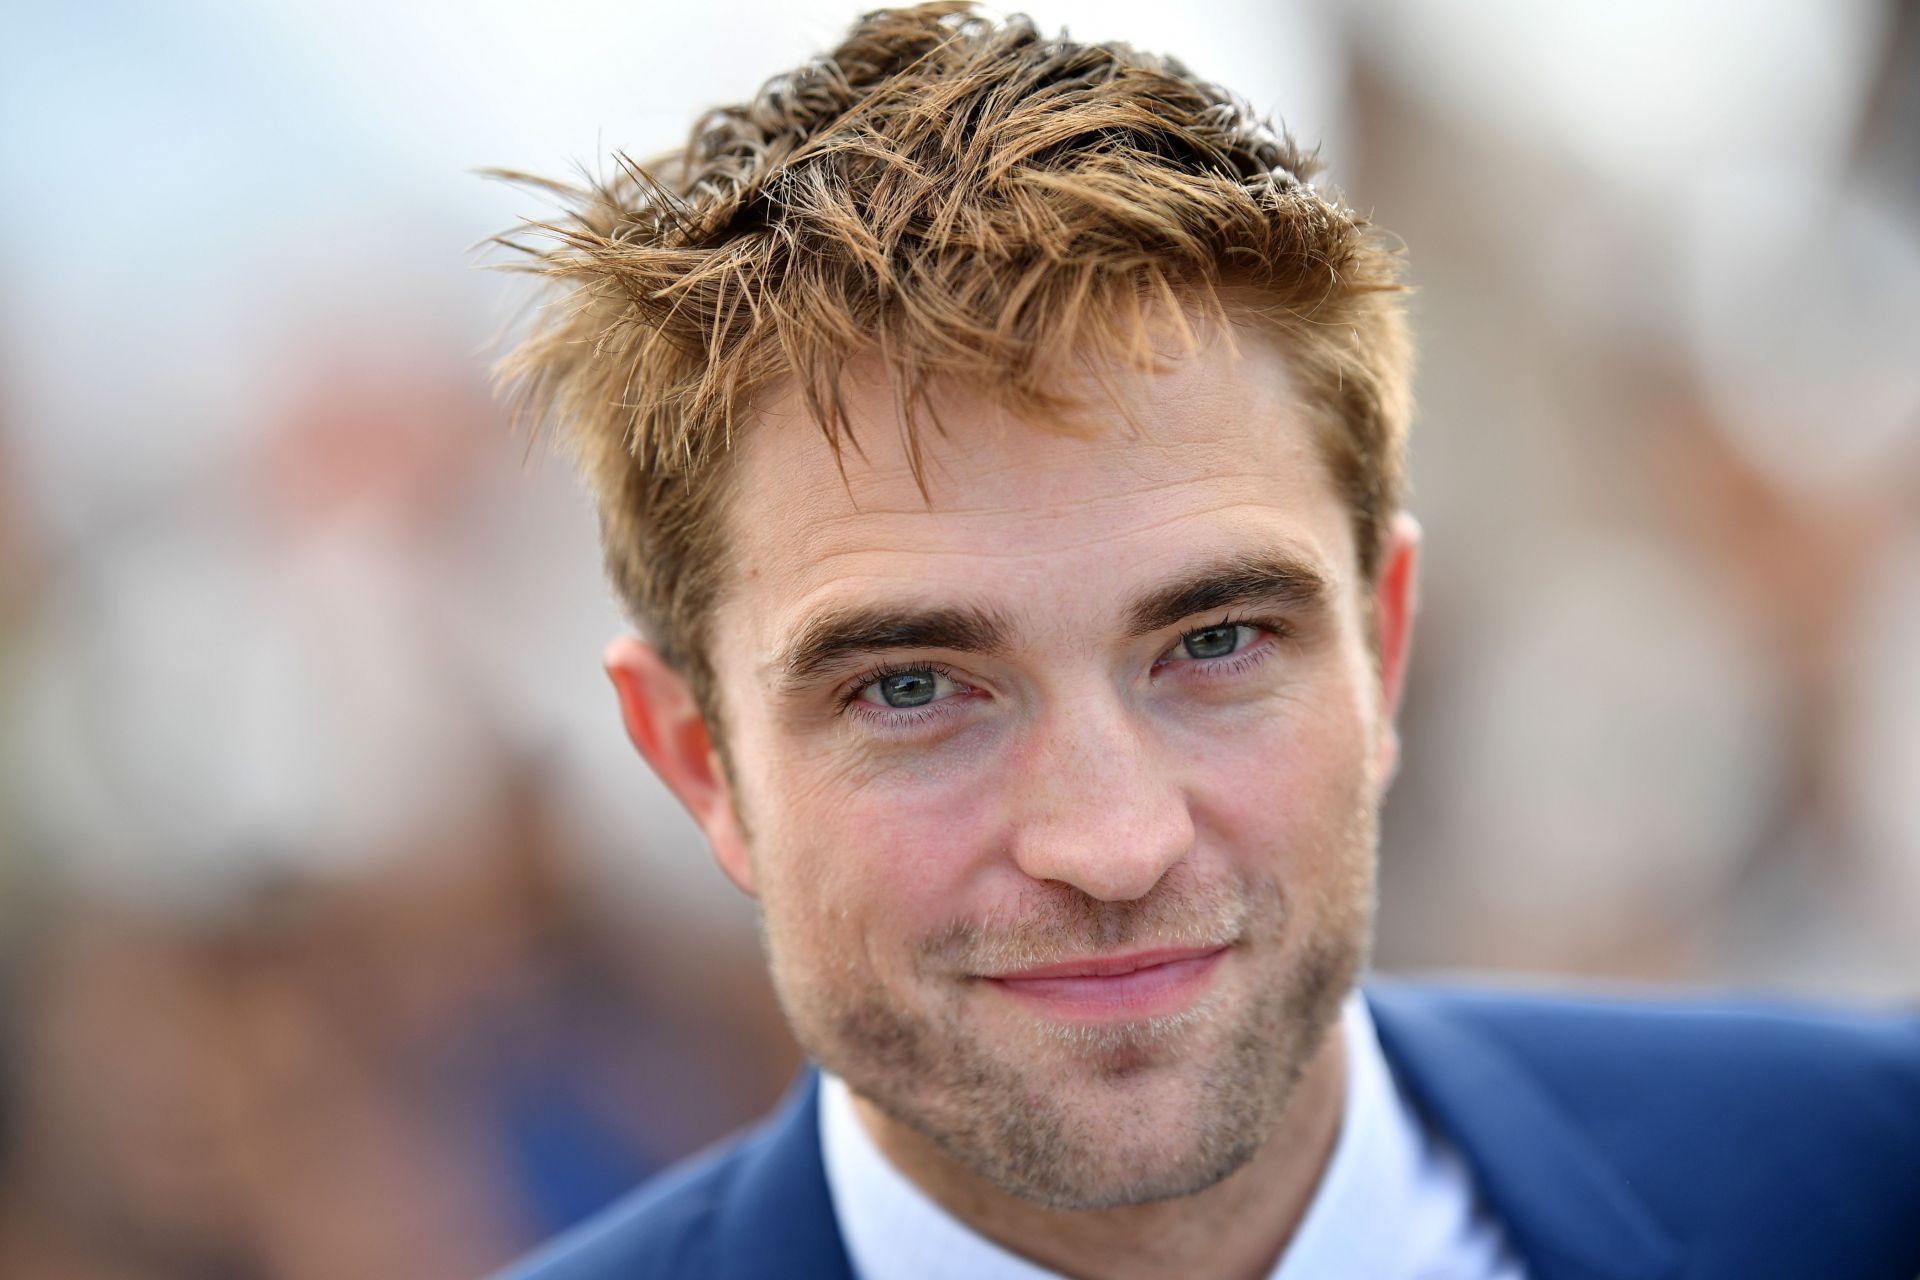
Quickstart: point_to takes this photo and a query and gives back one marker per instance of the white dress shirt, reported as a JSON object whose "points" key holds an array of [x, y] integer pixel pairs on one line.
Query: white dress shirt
{"points": [[1396, 1201]]}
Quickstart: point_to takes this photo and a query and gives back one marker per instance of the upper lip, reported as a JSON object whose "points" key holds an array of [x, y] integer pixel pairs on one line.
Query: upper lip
{"points": [[1106, 966]]}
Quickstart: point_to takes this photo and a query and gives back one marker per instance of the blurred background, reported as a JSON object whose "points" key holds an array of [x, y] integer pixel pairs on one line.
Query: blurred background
{"points": [[342, 934]]}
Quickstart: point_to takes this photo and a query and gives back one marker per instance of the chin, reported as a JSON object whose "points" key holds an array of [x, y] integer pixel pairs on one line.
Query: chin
{"points": [[1094, 1118], [1102, 1170]]}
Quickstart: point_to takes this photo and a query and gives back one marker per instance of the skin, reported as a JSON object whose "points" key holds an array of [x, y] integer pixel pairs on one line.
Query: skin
{"points": [[1081, 789]]}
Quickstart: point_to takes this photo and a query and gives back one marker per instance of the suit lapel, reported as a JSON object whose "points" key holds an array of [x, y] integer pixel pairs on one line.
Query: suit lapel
{"points": [[776, 1219], [1570, 1212]]}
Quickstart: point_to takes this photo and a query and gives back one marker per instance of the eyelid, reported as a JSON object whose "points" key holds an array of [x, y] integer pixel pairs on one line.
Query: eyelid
{"points": [[850, 690], [1272, 628]]}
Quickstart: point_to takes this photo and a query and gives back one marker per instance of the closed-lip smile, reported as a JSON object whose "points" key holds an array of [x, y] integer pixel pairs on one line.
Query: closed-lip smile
{"points": [[1140, 984]]}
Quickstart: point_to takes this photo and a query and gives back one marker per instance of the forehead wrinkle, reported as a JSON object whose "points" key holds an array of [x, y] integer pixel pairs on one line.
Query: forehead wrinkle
{"points": [[1054, 486], [1045, 548], [1116, 469]]}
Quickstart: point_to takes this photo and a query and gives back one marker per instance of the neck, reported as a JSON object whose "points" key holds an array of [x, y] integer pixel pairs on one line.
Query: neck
{"points": [[1234, 1230]]}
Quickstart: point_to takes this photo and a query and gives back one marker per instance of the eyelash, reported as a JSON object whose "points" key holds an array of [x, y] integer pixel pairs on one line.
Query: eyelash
{"points": [[904, 718], [895, 717], [1237, 661]]}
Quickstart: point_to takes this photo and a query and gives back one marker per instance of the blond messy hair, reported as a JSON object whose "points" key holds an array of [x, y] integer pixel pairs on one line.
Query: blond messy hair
{"points": [[963, 200]]}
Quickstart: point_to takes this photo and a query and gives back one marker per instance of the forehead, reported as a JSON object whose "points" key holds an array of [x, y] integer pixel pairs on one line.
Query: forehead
{"points": [[1213, 453]]}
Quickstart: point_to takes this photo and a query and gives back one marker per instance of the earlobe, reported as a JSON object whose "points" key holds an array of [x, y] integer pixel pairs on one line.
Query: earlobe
{"points": [[665, 723]]}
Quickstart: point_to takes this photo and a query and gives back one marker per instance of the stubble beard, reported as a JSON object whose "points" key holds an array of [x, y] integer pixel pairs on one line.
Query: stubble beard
{"points": [[1001, 1112]]}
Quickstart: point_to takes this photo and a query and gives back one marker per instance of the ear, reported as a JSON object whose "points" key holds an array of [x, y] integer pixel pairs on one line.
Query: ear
{"points": [[665, 723], [1396, 598]]}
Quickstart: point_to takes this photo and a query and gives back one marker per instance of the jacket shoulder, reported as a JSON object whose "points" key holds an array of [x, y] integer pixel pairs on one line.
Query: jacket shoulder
{"points": [[1743, 1126], [755, 1208], [1742, 1059], [663, 1229]]}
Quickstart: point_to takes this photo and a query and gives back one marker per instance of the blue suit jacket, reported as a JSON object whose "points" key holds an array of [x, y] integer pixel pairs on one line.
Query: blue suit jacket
{"points": [[1616, 1142]]}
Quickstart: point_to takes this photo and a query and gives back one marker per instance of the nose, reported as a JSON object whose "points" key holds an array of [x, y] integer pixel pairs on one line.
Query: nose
{"points": [[1097, 806]]}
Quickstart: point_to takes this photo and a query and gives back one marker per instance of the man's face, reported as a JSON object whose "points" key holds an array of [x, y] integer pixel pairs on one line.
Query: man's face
{"points": [[1057, 785]]}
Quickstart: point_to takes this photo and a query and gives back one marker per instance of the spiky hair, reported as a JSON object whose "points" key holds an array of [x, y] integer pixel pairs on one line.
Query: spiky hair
{"points": [[963, 200]]}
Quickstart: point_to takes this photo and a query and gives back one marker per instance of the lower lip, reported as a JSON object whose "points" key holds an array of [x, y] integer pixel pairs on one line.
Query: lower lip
{"points": [[1154, 991]]}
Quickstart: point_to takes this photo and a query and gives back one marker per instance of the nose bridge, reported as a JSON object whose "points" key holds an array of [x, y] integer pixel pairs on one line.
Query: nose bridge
{"points": [[1101, 808]]}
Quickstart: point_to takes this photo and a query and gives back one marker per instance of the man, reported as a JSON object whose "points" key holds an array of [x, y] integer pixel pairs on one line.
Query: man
{"points": [[998, 444]]}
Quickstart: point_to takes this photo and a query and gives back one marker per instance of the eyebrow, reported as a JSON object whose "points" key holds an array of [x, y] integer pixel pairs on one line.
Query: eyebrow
{"points": [[1269, 579], [832, 638]]}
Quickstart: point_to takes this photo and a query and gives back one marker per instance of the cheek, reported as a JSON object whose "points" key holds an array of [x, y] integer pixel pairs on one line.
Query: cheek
{"points": [[869, 859], [1285, 793]]}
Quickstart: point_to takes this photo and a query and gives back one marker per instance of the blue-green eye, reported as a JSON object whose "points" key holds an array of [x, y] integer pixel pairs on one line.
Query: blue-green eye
{"points": [[907, 689], [1215, 642]]}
